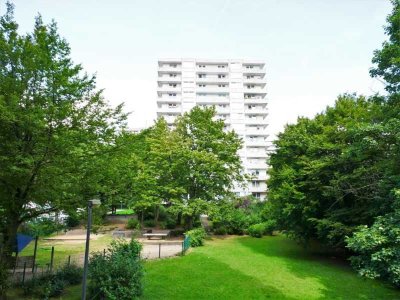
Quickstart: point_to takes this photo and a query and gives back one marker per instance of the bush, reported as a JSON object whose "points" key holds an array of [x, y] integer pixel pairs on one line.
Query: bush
{"points": [[133, 224], [117, 274], [53, 285], [257, 230], [46, 286], [269, 227], [149, 223], [73, 220], [377, 249], [170, 223], [197, 236], [72, 274], [220, 230]]}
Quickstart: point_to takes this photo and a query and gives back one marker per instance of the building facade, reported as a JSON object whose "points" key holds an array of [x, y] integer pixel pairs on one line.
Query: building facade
{"points": [[237, 89]]}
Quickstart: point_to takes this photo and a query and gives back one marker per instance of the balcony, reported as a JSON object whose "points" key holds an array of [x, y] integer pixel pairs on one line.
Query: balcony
{"points": [[167, 99], [259, 81], [213, 89], [255, 131], [256, 121], [167, 79], [256, 111], [255, 143], [168, 89], [169, 110], [212, 70], [254, 91], [212, 80], [168, 69], [260, 100], [254, 71], [258, 154]]}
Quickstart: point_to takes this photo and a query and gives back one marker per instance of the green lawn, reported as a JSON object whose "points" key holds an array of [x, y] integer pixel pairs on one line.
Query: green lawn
{"points": [[249, 268]]}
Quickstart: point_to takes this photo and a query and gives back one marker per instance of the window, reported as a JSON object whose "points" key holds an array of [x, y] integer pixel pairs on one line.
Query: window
{"points": [[202, 66], [172, 84], [250, 86], [202, 85], [172, 75], [172, 94], [172, 105], [221, 85], [255, 183], [249, 67], [257, 195], [173, 65], [221, 66], [221, 76]]}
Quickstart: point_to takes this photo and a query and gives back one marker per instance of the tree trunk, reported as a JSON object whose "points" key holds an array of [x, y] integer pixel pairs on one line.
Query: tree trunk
{"points": [[156, 214], [179, 219], [142, 218]]}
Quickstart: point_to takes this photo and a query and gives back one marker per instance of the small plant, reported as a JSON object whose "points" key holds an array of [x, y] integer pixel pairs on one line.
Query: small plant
{"points": [[149, 223], [269, 227], [170, 224], [72, 274], [257, 230], [117, 274], [133, 224], [220, 230], [197, 236]]}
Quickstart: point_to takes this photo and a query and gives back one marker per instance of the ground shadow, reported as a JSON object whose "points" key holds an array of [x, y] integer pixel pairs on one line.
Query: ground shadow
{"points": [[339, 280]]}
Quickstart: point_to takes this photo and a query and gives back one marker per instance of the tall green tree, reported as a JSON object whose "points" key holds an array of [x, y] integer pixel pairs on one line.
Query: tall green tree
{"points": [[54, 127], [209, 164]]}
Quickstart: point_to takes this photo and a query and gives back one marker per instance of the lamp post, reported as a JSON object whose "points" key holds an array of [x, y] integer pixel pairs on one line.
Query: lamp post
{"points": [[91, 204]]}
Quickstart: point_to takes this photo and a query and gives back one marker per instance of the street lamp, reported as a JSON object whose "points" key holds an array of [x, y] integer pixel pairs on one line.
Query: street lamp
{"points": [[91, 203]]}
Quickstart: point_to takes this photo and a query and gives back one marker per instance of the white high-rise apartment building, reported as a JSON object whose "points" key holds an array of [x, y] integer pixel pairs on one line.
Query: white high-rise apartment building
{"points": [[237, 89]]}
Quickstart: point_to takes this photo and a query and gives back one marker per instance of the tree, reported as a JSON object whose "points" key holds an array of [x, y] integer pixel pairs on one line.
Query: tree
{"points": [[54, 127], [209, 163], [387, 59], [335, 172]]}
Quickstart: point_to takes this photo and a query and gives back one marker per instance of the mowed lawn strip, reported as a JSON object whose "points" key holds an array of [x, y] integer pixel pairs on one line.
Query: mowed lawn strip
{"points": [[249, 268]]}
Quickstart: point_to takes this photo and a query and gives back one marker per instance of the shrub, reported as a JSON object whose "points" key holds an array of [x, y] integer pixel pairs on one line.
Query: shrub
{"points": [[46, 286], [133, 224], [257, 230], [52, 285], [72, 274], [117, 274], [170, 223], [220, 230], [269, 227], [73, 220], [197, 236], [149, 223], [377, 249]]}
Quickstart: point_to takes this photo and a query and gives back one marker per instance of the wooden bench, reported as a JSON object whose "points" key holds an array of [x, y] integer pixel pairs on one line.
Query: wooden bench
{"points": [[156, 235]]}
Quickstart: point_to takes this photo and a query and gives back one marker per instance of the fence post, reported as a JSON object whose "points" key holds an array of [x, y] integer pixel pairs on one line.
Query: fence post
{"points": [[69, 260], [104, 252], [183, 248], [34, 254], [159, 250], [52, 259], [23, 273]]}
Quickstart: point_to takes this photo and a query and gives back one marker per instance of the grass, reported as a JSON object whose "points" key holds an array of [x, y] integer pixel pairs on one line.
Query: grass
{"points": [[62, 249], [249, 268]]}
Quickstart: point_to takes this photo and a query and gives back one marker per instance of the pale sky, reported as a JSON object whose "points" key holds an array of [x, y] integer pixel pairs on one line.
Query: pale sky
{"points": [[314, 49]]}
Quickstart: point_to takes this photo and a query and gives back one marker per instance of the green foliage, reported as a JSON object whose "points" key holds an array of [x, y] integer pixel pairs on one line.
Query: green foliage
{"points": [[236, 215], [269, 227], [133, 224], [73, 220], [386, 60], [56, 130], [377, 248], [256, 230], [196, 236], [53, 284], [221, 230], [42, 227], [117, 274], [149, 223], [72, 274], [335, 172]]}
